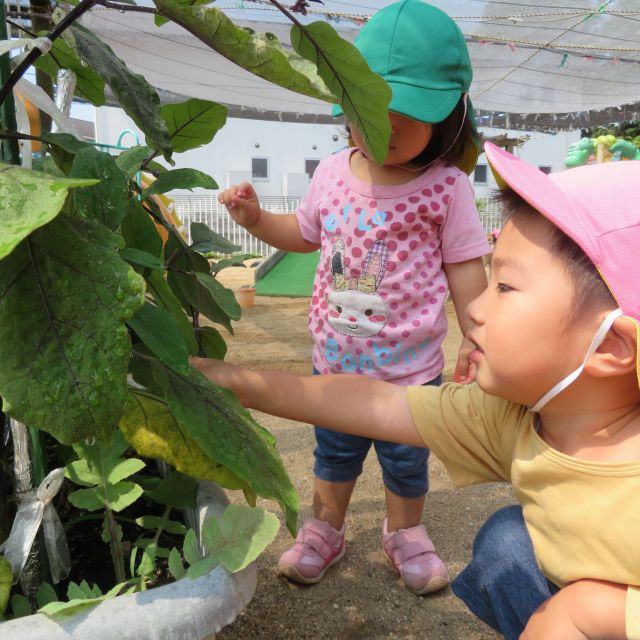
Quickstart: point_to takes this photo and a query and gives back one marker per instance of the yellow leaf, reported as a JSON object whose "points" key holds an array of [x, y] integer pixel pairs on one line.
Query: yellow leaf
{"points": [[153, 432]]}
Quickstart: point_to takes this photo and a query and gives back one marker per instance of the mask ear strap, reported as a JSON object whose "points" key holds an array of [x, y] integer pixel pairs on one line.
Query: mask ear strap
{"points": [[595, 343]]}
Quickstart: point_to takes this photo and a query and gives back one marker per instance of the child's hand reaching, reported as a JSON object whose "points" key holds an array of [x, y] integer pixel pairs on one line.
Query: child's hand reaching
{"points": [[465, 371], [242, 204], [225, 375]]}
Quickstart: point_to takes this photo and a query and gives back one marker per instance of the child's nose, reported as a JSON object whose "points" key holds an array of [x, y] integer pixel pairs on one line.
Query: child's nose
{"points": [[475, 308], [352, 318]]}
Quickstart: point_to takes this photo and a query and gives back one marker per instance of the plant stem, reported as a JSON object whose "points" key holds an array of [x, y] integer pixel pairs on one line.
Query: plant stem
{"points": [[287, 13], [121, 6], [35, 53], [115, 544], [163, 519]]}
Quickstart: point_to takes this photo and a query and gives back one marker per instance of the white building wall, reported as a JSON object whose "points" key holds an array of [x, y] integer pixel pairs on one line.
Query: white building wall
{"points": [[227, 158], [287, 146]]}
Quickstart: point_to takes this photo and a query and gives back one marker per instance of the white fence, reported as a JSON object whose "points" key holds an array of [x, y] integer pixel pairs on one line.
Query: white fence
{"points": [[206, 209]]}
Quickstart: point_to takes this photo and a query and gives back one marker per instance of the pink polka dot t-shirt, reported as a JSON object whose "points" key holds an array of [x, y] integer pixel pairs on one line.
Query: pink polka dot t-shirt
{"points": [[377, 306]]}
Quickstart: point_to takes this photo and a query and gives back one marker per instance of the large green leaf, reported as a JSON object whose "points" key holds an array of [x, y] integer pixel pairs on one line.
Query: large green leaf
{"points": [[223, 296], [236, 260], [139, 230], [63, 148], [159, 332], [205, 240], [214, 418], [181, 258], [139, 258], [212, 343], [153, 432], [175, 490], [65, 298], [180, 179], [130, 160], [90, 85], [259, 53], [193, 123], [108, 201], [241, 535], [28, 200], [158, 288], [363, 95], [204, 293], [134, 94]]}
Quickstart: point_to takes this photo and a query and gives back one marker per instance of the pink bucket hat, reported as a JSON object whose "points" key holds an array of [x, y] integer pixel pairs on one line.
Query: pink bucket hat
{"points": [[597, 206]]}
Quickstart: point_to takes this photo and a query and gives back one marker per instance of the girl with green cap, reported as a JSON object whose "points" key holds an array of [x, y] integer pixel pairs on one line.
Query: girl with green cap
{"points": [[393, 239]]}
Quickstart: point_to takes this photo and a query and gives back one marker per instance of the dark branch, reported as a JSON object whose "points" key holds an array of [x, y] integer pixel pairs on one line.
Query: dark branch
{"points": [[34, 54], [121, 6]]}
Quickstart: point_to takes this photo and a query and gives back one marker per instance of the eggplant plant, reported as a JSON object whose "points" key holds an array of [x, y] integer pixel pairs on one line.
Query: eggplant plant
{"points": [[101, 298]]}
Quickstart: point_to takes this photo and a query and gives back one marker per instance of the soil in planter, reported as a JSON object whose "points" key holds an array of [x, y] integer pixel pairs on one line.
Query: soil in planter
{"points": [[90, 555]]}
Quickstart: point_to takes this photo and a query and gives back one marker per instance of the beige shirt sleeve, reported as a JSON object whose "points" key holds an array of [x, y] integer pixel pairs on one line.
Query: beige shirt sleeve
{"points": [[633, 613], [471, 432]]}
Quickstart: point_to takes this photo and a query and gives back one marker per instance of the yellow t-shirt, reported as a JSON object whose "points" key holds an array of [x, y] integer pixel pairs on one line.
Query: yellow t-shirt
{"points": [[583, 516]]}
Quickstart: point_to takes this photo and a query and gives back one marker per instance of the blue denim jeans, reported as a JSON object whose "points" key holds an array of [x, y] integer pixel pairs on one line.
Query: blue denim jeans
{"points": [[339, 458], [502, 584]]}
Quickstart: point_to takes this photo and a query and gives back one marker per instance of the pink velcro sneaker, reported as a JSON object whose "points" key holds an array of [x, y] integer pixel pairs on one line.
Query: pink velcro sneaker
{"points": [[413, 555], [318, 546]]}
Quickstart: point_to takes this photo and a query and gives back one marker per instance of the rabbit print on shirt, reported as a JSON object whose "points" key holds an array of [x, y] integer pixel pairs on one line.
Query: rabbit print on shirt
{"points": [[354, 307]]}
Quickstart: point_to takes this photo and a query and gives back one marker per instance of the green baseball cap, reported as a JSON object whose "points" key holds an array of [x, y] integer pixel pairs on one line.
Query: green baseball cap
{"points": [[422, 54]]}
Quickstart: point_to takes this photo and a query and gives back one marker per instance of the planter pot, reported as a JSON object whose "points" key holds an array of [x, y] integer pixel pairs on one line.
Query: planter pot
{"points": [[245, 296], [183, 610]]}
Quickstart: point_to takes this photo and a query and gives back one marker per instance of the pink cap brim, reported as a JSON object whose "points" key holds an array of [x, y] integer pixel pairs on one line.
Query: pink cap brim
{"points": [[535, 187], [596, 205]]}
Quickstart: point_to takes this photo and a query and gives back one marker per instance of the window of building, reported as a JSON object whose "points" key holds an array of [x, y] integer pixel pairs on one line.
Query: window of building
{"points": [[480, 174], [545, 168], [260, 168], [310, 167]]}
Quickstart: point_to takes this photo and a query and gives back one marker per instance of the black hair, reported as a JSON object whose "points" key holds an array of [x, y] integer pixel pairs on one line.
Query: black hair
{"points": [[590, 290], [448, 138]]}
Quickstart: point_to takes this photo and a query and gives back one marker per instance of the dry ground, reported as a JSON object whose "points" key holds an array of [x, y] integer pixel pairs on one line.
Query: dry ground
{"points": [[361, 598]]}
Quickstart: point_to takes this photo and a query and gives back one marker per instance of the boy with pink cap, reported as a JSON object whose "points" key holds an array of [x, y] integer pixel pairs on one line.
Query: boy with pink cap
{"points": [[555, 408]]}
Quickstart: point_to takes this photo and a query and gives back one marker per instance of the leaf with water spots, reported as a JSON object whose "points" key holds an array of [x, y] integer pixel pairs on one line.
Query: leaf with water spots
{"points": [[65, 298], [28, 200]]}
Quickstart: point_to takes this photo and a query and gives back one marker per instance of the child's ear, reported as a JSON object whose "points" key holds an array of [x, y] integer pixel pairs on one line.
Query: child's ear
{"points": [[618, 352]]}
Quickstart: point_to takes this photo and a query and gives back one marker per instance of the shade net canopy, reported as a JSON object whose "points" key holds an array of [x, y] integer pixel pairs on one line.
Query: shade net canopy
{"points": [[555, 63]]}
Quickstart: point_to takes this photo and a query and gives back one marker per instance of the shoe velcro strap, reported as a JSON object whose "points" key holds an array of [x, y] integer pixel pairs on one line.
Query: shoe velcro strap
{"points": [[311, 537], [411, 550]]}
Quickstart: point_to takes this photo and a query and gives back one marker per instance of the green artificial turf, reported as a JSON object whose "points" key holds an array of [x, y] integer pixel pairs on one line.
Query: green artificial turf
{"points": [[292, 277]]}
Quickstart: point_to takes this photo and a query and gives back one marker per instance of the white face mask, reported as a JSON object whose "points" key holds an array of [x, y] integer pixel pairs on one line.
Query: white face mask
{"points": [[566, 381]]}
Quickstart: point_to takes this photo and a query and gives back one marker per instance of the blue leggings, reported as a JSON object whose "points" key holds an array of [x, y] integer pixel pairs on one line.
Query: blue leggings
{"points": [[339, 458]]}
